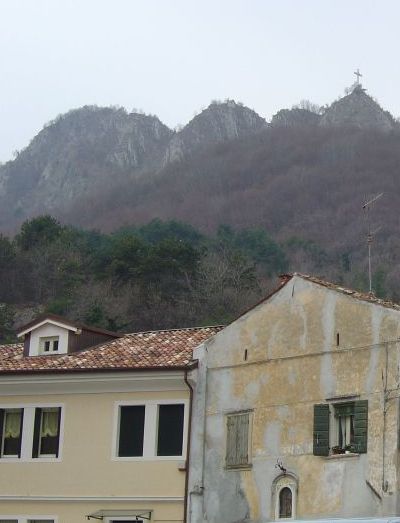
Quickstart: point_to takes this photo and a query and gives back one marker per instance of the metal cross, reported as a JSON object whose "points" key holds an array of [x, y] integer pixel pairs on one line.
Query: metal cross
{"points": [[358, 74]]}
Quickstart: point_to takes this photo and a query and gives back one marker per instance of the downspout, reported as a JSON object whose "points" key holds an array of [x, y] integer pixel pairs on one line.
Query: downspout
{"points": [[385, 485], [189, 439]]}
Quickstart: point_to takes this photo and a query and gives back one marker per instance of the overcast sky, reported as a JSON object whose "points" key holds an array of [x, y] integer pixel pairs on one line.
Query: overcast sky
{"points": [[172, 57]]}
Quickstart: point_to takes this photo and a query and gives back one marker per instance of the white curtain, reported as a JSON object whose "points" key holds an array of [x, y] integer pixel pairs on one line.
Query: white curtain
{"points": [[49, 423], [343, 427], [13, 425]]}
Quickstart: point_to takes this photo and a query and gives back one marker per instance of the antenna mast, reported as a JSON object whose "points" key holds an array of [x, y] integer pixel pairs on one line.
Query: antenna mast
{"points": [[370, 235]]}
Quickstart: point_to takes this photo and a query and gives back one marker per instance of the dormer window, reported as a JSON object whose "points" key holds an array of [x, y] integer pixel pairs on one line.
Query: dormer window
{"points": [[49, 344], [51, 335]]}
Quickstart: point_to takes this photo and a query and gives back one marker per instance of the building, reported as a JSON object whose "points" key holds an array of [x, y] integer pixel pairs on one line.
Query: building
{"points": [[93, 424], [297, 409]]}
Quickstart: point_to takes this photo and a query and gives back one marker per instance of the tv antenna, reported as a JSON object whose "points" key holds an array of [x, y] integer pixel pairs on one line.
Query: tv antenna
{"points": [[371, 234]]}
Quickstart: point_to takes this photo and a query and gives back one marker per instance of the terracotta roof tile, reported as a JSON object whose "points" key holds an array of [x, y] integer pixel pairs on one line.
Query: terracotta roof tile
{"points": [[144, 350]]}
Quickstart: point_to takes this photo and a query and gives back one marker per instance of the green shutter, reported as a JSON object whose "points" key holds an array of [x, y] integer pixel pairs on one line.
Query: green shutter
{"points": [[321, 430], [361, 425]]}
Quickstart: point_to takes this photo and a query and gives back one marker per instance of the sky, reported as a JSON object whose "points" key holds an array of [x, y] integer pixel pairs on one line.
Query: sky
{"points": [[172, 57]]}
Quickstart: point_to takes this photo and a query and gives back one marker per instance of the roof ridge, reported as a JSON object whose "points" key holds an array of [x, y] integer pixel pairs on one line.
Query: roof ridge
{"points": [[173, 330], [360, 295]]}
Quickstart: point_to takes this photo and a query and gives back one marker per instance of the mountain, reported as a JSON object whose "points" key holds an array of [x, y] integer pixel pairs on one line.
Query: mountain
{"points": [[105, 167], [296, 117], [75, 152], [358, 109], [301, 179], [220, 122], [94, 150]]}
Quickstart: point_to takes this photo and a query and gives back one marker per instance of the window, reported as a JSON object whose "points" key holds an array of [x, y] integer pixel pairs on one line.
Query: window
{"points": [[49, 344], [150, 430], [170, 430], [344, 416], [237, 440], [340, 427], [131, 430], [28, 432], [284, 496], [46, 433], [285, 503], [11, 435]]}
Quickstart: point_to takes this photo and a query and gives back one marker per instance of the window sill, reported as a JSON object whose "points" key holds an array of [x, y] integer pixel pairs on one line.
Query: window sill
{"points": [[248, 466], [343, 456], [147, 458], [30, 460]]}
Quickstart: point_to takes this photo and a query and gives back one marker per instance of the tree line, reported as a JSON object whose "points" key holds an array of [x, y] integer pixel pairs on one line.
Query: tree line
{"points": [[163, 274], [158, 275]]}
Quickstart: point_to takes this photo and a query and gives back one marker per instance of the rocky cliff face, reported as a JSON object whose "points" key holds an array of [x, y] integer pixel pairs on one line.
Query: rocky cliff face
{"points": [[357, 109], [91, 154], [87, 150], [220, 122], [76, 152], [294, 118]]}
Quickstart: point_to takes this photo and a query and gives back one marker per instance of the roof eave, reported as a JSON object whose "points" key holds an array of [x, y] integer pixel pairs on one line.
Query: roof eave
{"points": [[31, 372]]}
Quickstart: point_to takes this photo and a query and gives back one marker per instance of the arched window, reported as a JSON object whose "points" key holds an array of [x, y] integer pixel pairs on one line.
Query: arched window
{"points": [[285, 503], [284, 496]]}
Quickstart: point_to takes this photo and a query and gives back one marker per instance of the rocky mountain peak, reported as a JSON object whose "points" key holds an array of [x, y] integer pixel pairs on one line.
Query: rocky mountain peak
{"points": [[219, 122], [295, 117], [357, 109], [75, 152]]}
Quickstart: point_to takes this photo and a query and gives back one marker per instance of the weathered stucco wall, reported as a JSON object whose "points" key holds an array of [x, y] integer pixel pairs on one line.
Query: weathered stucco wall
{"points": [[293, 361]]}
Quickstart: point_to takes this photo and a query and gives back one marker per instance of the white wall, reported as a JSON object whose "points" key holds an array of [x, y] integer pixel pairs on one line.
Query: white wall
{"points": [[46, 331]]}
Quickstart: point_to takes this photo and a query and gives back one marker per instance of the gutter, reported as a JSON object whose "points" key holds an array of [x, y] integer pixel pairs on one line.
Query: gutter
{"points": [[189, 440], [91, 370]]}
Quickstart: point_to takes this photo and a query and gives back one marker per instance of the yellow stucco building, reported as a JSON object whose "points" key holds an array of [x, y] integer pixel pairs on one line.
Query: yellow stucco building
{"points": [[94, 425], [297, 409]]}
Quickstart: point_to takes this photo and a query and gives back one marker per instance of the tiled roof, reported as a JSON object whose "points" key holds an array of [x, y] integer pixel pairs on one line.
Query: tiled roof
{"points": [[169, 349], [60, 319]]}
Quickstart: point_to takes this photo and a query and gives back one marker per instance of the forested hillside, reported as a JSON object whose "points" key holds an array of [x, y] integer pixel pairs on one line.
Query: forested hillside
{"points": [[163, 274], [193, 225], [158, 275]]}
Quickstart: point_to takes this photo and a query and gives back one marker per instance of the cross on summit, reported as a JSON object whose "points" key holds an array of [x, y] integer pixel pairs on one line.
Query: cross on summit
{"points": [[358, 74]]}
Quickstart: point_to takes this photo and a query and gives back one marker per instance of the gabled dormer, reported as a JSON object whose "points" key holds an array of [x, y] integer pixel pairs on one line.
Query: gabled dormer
{"points": [[51, 335]]}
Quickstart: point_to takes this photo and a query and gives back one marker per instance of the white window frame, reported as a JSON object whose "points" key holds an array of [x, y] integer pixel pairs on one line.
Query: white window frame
{"points": [[51, 340], [47, 409], [10, 456], [28, 430], [150, 430], [26, 519]]}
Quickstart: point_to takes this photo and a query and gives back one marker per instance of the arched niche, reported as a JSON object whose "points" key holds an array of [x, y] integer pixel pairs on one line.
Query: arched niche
{"points": [[284, 497]]}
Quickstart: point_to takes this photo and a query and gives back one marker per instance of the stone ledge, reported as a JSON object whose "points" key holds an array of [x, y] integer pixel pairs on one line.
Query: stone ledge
{"points": [[341, 456]]}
